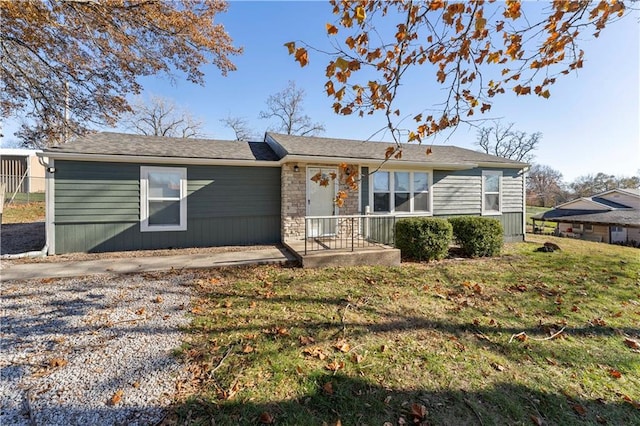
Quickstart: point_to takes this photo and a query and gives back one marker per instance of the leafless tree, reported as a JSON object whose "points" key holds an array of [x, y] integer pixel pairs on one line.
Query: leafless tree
{"points": [[286, 107], [161, 117], [506, 142], [240, 126], [545, 187]]}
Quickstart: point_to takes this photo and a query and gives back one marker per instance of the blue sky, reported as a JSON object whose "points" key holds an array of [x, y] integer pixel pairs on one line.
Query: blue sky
{"points": [[590, 123]]}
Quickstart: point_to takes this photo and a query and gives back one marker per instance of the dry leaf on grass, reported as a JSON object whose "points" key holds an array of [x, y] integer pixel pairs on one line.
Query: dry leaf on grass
{"points": [[418, 412], [537, 420], [158, 299], [247, 349], [140, 311], [342, 346], [306, 340], [615, 373], [334, 366], [266, 418], [579, 409], [631, 343], [328, 388]]}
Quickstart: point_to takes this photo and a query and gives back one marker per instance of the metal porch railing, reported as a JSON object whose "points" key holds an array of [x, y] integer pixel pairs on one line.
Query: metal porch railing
{"points": [[348, 232]]}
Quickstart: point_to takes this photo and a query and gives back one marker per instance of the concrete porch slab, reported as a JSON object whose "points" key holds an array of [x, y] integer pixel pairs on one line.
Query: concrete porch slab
{"points": [[378, 255]]}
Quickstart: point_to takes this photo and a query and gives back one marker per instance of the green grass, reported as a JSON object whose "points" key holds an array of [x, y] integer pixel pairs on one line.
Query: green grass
{"points": [[23, 212], [431, 343], [547, 227]]}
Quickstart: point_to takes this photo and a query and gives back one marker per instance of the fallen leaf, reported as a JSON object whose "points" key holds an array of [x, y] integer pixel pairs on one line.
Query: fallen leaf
{"points": [[356, 358], [141, 311], [384, 348], [228, 304], [536, 420], [116, 398], [574, 308], [247, 349], [252, 305], [497, 366], [158, 299], [334, 366], [306, 340], [328, 388], [135, 384], [579, 409], [633, 402], [631, 343], [266, 418], [418, 412], [342, 346], [615, 373], [58, 362]]}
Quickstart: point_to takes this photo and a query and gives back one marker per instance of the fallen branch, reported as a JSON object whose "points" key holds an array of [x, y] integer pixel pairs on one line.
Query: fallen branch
{"points": [[553, 336], [222, 360]]}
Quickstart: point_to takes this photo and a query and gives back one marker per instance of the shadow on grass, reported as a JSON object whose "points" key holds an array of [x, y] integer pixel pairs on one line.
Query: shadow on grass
{"points": [[353, 401]]}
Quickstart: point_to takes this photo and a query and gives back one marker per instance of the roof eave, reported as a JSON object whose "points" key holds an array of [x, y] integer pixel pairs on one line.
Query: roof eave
{"points": [[112, 158]]}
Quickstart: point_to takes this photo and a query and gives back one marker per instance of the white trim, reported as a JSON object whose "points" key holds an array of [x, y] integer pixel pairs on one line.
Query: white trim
{"points": [[50, 207], [500, 191], [144, 199], [412, 192]]}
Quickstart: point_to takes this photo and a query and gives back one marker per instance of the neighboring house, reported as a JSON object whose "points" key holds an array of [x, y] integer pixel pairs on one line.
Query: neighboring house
{"points": [[610, 217], [111, 191], [21, 171]]}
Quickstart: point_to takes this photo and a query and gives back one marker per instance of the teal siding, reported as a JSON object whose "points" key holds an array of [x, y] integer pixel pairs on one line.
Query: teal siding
{"points": [[457, 192], [460, 192], [98, 207]]}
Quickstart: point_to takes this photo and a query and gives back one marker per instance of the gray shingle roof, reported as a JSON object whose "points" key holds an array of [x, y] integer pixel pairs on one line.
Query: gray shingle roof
{"points": [[108, 143], [345, 148], [627, 217]]}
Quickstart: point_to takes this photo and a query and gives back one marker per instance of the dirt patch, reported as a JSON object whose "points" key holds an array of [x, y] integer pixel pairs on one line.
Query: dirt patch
{"points": [[21, 237]]}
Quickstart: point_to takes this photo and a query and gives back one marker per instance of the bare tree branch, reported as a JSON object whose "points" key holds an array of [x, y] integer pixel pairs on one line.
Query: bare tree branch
{"points": [[240, 127], [161, 117], [286, 107], [506, 142]]}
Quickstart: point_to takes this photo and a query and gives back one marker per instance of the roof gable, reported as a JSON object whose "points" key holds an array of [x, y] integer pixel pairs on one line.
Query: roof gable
{"points": [[583, 204], [311, 146]]}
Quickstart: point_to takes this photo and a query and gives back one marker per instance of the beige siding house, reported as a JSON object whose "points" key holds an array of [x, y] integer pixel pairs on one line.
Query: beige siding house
{"points": [[610, 217]]}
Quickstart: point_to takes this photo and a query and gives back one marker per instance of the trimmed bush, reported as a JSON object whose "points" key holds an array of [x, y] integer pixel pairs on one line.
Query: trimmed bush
{"points": [[423, 238], [477, 236]]}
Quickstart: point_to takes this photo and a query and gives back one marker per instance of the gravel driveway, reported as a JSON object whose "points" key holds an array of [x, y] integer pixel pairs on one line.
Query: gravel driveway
{"points": [[92, 350]]}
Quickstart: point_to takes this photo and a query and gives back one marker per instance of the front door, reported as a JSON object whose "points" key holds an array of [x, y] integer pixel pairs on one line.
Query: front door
{"points": [[320, 202], [618, 234]]}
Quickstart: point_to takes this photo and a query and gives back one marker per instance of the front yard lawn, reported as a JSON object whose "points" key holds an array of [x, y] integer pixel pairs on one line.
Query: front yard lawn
{"points": [[526, 338]]}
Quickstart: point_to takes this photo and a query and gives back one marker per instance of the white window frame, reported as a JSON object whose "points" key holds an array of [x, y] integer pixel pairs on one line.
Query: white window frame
{"points": [[485, 211], [144, 199], [411, 191]]}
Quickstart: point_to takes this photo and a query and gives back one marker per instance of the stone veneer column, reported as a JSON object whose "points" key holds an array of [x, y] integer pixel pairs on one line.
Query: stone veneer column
{"points": [[294, 200]]}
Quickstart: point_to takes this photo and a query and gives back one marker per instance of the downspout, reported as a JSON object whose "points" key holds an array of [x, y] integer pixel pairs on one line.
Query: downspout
{"points": [[524, 203], [49, 246]]}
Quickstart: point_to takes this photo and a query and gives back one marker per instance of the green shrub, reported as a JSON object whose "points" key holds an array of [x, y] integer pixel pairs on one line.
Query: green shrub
{"points": [[423, 238], [477, 236]]}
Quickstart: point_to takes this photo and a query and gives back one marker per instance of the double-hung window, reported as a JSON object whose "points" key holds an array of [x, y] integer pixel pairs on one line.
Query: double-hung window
{"points": [[401, 192], [163, 198], [491, 192]]}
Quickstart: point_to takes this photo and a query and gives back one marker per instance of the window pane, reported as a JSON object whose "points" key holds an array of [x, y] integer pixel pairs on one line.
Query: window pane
{"points": [[421, 202], [164, 185], [402, 202], [401, 181], [381, 202], [380, 181], [420, 182], [164, 212], [492, 202], [491, 183]]}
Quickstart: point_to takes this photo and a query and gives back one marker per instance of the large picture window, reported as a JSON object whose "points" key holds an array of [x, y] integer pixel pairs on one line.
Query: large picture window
{"points": [[491, 192], [163, 199], [400, 192]]}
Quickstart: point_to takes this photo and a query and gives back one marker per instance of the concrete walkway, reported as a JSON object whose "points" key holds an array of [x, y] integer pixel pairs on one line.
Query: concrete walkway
{"points": [[26, 271]]}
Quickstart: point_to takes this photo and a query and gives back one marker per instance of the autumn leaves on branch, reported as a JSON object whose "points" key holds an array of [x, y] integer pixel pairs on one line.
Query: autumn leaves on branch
{"points": [[462, 41]]}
